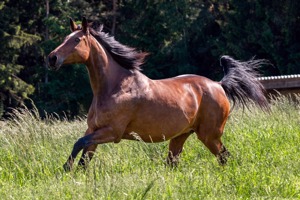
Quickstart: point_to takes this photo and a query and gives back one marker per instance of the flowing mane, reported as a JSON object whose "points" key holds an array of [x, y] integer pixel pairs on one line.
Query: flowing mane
{"points": [[127, 57]]}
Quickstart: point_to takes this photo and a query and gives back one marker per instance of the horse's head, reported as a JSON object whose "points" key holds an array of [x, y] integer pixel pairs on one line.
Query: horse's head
{"points": [[74, 49]]}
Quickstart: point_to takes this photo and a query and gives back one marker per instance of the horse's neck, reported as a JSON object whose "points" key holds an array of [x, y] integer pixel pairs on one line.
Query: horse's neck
{"points": [[104, 72]]}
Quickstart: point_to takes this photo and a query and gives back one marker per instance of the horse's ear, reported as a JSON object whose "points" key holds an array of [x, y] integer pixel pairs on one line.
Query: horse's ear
{"points": [[85, 25], [73, 25]]}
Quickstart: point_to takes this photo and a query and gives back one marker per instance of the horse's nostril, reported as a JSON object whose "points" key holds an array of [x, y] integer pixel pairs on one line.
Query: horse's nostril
{"points": [[52, 60]]}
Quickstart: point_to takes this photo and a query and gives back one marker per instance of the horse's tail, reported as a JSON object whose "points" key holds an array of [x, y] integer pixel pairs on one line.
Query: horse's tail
{"points": [[240, 82]]}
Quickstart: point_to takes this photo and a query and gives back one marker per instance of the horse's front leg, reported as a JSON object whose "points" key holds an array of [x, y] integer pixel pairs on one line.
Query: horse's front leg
{"points": [[87, 152], [100, 136], [87, 155]]}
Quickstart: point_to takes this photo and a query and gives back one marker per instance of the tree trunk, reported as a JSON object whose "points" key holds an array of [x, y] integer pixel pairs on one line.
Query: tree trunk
{"points": [[114, 15], [46, 38]]}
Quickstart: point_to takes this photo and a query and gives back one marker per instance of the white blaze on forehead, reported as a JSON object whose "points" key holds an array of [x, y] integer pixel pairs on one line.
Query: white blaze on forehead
{"points": [[66, 39], [72, 35]]}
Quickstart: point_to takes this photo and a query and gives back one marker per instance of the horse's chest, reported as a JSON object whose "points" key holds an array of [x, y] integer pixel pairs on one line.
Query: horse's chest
{"points": [[104, 113], [99, 112]]}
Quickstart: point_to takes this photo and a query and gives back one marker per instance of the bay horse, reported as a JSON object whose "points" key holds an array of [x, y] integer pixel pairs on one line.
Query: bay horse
{"points": [[128, 105]]}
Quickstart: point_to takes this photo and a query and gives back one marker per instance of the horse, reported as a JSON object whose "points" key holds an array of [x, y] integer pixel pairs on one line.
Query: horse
{"points": [[128, 105]]}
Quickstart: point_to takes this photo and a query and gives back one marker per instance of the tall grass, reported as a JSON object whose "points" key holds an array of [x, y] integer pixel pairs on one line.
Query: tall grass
{"points": [[265, 161]]}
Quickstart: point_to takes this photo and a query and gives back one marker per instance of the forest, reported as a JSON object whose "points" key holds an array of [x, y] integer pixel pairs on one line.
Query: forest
{"points": [[181, 36]]}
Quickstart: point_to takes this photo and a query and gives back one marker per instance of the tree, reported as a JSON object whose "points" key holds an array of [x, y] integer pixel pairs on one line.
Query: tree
{"points": [[161, 28], [265, 29], [13, 90]]}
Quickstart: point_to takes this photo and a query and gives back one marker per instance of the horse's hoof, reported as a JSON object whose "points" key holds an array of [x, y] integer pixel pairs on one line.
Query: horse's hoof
{"points": [[67, 167], [223, 157], [82, 166], [172, 162]]}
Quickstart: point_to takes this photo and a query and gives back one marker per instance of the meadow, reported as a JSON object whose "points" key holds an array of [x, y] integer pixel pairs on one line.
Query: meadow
{"points": [[265, 162]]}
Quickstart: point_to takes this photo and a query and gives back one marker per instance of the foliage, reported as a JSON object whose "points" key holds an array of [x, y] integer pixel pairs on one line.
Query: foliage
{"points": [[266, 29], [264, 162], [181, 36], [13, 90]]}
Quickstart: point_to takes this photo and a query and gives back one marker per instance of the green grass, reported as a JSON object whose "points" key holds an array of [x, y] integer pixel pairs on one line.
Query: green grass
{"points": [[265, 161]]}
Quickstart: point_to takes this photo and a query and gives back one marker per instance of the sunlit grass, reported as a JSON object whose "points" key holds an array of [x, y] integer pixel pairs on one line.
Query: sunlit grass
{"points": [[265, 161]]}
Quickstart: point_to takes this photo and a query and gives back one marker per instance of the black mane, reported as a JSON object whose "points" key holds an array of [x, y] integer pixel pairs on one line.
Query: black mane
{"points": [[127, 57]]}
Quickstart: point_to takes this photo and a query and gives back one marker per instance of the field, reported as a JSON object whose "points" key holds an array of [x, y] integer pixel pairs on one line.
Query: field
{"points": [[265, 161]]}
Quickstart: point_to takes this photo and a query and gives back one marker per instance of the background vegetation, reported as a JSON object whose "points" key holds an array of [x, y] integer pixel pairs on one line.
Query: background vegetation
{"points": [[182, 37], [264, 163]]}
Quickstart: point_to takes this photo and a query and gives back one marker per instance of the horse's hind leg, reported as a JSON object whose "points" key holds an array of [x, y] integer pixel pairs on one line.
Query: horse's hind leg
{"points": [[212, 140], [175, 148]]}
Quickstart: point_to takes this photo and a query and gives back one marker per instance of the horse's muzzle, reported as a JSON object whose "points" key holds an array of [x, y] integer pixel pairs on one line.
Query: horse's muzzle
{"points": [[52, 62]]}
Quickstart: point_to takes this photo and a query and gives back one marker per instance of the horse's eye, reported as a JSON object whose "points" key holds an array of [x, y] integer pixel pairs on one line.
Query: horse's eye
{"points": [[77, 40]]}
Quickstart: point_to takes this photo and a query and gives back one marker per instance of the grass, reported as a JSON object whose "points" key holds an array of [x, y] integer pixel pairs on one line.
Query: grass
{"points": [[265, 161]]}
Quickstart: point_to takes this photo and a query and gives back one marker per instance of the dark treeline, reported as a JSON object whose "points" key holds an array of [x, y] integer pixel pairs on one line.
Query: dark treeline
{"points": [[181, 36]]}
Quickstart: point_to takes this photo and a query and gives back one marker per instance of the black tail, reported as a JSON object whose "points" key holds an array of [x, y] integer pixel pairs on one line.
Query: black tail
{"points": [[240, 82]]}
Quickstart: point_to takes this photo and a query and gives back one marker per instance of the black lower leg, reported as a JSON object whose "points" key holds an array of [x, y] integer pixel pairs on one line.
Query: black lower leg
{"points": [[78, 146], [85, 159], [223, 155], [172, 159], [68, 165]]}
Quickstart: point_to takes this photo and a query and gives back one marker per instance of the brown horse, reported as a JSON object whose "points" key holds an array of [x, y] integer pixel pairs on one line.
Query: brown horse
{"points": [[128, 105]]}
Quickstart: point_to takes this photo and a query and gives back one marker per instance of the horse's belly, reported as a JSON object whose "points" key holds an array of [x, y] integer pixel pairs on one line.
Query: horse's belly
{"points": [[158, 126]]}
